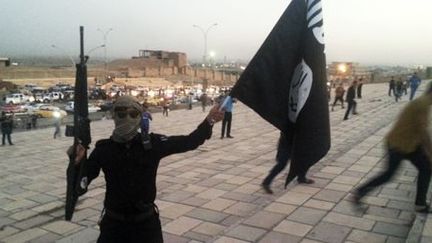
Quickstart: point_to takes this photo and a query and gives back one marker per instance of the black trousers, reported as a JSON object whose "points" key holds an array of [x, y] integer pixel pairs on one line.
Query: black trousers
{"points": [[226, 123], [340, 98], [282, 158], [418, 158], [351, 106], [8, 136], [114, 231]]}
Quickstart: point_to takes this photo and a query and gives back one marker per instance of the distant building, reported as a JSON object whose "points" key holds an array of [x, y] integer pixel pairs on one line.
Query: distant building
{"points": [[165, 58], [4, 61], [348, 71]]}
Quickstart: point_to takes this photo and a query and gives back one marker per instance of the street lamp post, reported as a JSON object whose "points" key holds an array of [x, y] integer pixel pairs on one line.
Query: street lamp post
{"points": [[64, 52], [205, 32], [105, 35]]}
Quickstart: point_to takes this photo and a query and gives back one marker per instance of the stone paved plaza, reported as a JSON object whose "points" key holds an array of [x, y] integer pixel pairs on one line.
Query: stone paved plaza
{"points": [[213, 194]]}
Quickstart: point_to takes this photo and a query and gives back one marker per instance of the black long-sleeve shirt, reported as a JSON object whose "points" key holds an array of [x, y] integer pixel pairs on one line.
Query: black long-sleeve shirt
{"points": [[130, 171], [350, 94]]}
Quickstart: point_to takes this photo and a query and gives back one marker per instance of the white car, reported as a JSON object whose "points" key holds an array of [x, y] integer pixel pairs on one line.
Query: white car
{"points": [[18, 98], [91, 108]]}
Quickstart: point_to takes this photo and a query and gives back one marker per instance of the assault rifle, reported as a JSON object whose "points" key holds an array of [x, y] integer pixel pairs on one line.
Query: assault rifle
{"points": [[76, 174]]}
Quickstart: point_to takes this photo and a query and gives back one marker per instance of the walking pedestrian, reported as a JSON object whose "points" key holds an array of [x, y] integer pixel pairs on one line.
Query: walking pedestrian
{"points": [[227, 120], [203, 100], [339, 93], [57, 124], [6, 128], [146, 117], [350, 98], [408, 140], [398, 89], [165, 107], [359, 88], [282, 157], [130, 212], [392, 84], [414, 83]]}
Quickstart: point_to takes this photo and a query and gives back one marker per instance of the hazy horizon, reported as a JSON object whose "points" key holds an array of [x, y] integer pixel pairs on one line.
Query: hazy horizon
{"points": [[368, 32]]}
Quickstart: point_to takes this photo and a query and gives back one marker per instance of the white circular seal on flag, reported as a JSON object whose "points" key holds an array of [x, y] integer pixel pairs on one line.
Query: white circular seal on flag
{"points": [[301, 84]]}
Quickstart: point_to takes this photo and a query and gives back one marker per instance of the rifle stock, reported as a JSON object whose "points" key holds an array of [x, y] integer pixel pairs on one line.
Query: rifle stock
{"points": [[76, 174]]}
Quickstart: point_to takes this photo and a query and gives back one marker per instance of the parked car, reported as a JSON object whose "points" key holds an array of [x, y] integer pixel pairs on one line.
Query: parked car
{"points": [[49, 111], [18, 98], [49, 97], [12, 108]]}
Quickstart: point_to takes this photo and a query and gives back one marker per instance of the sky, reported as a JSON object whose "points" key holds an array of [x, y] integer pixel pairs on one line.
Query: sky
{"points": [[386, 32]]}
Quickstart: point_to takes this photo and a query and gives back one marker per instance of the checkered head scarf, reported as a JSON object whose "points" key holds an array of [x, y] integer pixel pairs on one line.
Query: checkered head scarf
{"points": [[126, 128]]}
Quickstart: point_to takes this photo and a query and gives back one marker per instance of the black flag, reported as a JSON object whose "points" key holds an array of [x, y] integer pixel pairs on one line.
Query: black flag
{"points": [[285, 83]]}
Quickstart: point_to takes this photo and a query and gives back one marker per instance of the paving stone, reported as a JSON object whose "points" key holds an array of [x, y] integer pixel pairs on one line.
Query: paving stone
{"points": [[364, 236], [181, 225], [263, 219], [329, 195], [229, 240], [240, 209], [339, 187], [175, 211], [328, 232], [383, 212], [209, 228], [293, 228], [219, 204], [60, 227], [207, 215], [246, 233], [211, 194], [49, 237], [307, 215], [231, 220], [31, 222], [25, 236], [197, 237], [170, 238], [7, 231], [318, 204], [274, 237], [350, 221], [195, 201], [391, 229], [295, 198]]}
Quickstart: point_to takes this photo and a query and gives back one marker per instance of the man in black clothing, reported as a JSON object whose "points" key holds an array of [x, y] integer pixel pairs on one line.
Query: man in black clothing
{"points": [[130, 172], [6, 128], [392, 85], [352, 104], [282, 157], [359, 89]]}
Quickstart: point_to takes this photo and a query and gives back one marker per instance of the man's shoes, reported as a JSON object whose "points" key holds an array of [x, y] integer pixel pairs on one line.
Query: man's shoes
{"points": [[222, 137], [423, 209], [305, 181], [355, 113], [229, 136], [267, 188], [11, 144], [345, 119]]}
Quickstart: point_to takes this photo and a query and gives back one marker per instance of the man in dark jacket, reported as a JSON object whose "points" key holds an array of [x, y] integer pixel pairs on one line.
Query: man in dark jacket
{"points": [[392, 85], [6, 128], [352, 104], [130, 172]]}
